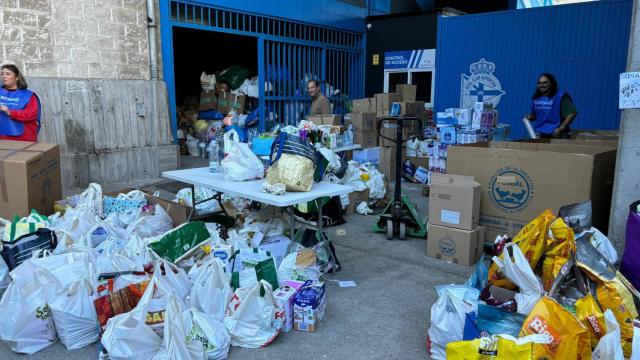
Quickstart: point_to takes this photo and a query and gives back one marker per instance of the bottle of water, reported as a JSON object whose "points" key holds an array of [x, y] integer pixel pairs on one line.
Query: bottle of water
{"points": [[214, 156]]}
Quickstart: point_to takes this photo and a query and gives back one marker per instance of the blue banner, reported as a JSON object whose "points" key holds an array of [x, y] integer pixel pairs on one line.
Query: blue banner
{"points": [[409, 59]]}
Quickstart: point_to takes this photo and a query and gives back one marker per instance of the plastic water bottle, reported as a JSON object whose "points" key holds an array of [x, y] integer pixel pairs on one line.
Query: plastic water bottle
{"points": [[214, 156]]}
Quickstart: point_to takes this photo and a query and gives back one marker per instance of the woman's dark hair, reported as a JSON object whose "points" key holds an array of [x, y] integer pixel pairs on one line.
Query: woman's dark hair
{"points": [[22, 82], [553, 86]]}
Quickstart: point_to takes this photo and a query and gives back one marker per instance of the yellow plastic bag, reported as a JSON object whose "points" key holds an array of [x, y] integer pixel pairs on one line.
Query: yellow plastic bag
{"points": [[490, 348], [532, 241], [560, 246], [590, 315], [569, 339]]}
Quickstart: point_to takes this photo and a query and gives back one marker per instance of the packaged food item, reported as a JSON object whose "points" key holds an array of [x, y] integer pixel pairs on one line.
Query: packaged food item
{"points": [[532, 241], [613, 291], [494, 348], [560, 247], [590, 315], [569, 339]]}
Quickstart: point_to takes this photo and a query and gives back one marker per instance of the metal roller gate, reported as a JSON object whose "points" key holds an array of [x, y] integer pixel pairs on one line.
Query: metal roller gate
{"points": [[289, 54]]}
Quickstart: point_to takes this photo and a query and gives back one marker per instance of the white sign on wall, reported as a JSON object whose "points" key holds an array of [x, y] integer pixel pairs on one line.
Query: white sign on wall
{"points": [[630, 90]]}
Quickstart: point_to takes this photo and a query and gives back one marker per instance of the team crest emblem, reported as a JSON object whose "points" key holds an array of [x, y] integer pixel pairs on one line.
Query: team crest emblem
{"points": [[480, 86]]}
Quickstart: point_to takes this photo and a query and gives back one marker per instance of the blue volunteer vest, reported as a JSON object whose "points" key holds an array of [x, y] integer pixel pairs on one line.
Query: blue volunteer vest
{"points": [[14, 100], [548, 113]]}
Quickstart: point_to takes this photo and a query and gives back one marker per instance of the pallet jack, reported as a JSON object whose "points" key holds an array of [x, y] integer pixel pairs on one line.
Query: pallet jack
{"points": [[400, 217]]}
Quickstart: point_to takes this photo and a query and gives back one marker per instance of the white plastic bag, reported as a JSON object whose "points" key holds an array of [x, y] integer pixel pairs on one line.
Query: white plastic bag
{"points": [[75, 315], [175, 344], [288, 270], [25, 320], [91, 199], [240, 163], [448, 316], [128, 337], [251, 318], [211, 291], [65, 268], [151, 225], [203, 207], [412, 146], [635, 344], [609, 347], [210, 331], [76, 224], [176, 278], [376, 184], [519, 272], [137, 251]]}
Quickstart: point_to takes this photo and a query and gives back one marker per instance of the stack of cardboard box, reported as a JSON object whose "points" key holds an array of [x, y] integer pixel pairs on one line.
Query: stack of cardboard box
{"points": [[221, 100], [454, 233], [363, 120], [405, 96]]}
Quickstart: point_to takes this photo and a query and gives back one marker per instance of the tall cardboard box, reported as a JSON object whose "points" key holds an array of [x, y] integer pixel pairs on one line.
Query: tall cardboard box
{"points": [[366, 139], [407, 91], [367, 105], [389, 130], [454, 201], [364, 121], [384, 101], [29, 178], [520, 180], [458, 246], [387, 165]]}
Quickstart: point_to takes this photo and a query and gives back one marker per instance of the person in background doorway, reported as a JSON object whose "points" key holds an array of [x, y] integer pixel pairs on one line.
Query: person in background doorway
{"points": [[552, 110], [319, 104], [19, 107]]}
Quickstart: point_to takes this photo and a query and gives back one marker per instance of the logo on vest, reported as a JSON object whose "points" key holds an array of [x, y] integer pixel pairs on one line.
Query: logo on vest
{"points": [[481, 85], [511, 189]]}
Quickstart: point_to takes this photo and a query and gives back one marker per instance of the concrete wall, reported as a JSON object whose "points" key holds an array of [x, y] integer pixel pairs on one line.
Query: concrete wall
{"points": [[88, 60], [626, 186], [75, 38]]}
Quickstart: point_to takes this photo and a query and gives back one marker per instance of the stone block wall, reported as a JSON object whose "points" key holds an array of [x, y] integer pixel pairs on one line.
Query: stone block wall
{"points": [[89, 39]]}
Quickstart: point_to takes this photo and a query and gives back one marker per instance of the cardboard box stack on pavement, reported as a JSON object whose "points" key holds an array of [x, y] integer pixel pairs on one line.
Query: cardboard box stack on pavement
{"points": [[29, 178], [519, 180], [454, 211]]}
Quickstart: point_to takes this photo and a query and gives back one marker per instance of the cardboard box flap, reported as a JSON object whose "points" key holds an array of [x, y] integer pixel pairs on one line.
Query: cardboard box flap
{"points": [[451, 179], [586, 149]]}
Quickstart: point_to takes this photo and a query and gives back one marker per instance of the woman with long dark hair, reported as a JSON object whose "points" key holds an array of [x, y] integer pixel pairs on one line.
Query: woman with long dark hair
{"points": [[552, 110], [19, 107]]}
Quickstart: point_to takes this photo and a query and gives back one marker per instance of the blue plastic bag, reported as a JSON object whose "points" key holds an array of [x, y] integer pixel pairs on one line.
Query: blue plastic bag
{"points": [[494, 321], [480, 277]]}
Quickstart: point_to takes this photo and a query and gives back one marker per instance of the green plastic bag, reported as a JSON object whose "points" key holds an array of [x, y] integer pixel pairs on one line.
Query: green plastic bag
{"points": [[234, 76], [175, 243]]}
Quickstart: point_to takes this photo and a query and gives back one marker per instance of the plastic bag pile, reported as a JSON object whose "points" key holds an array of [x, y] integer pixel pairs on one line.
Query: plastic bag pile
{"points": [[116, 269], [551, 292]]}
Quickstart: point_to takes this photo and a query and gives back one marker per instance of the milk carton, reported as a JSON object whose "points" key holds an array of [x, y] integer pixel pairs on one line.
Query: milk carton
{"points": [[308, 306], [283, 298]]}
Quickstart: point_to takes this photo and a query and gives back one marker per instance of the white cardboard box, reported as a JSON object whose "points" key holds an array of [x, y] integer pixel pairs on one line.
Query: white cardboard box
{"points": [[283, 298]]}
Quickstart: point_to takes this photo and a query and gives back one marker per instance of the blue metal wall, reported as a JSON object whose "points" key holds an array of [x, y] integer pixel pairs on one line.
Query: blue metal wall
{"points": [[584, 46], [289, 52]]}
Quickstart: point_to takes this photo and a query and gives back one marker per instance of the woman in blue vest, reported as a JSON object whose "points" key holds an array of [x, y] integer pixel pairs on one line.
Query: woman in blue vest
{"points": [[19, 107], [551, 110]]}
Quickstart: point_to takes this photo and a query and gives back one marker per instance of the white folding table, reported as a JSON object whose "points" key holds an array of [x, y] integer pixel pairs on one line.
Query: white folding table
{"points": [[252, 190]]}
